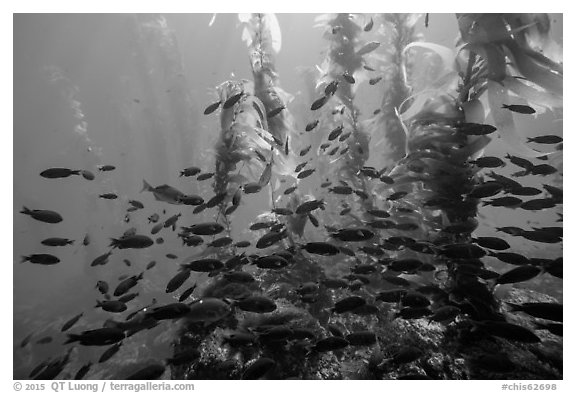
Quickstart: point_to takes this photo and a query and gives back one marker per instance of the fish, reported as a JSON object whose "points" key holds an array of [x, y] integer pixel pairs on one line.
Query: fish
{"points": [[251, 188], [106, 168], [55, 173], [555, 192], [221, 242], [45, 340], [310, 206], [305, 173], [353, 235], [367, 48], [361, 338], [114, 306], [81, 373], [232, 100], [208, 310], [127, 284], [57, 242], [258, 369], [164, 193], [319, 103], [523, 109], [476, 129], [206, 229], [313, 220], [48, 216], [97, 337], [369, 25], [153, 218], [205, 176], [150, 372], [270, 238], [341, 190], [321, 248], [404, 265], [508, 331], [178, 280], [87, 175], [203, 265], [212, 107], [41, 259], [489, 162], [242, 244], [190, 171], [391, 295], [372, 82], [300, 166], [169, 311], [519, 161], [348, 78], [546, 139], [331, 88], [330, 344], [190, 200], [524, 191], [282, 211], [493, 243], [335, 133], [485, 190], [110, 352], [266, 175], [427, 20], [128, 297], [543, 170], [133, 241], [511, 258], [271, 262], [286, 147], [550, 311], [348, 304], [397, 195], [519, 274], [257, 304], [538, 204], [275, 111], [71, 322], [310, 126]]}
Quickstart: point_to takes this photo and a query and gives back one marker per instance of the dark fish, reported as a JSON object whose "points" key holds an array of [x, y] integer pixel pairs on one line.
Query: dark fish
{"points": [[335, 133], [205, 176], [321, 248], [257, 304], [538, 204], [71, 322], [405, 265], [521, 162], [300, 166], [445, 314], [519, 274], [333, 343], [310, 206], [266, 175], [404, 355], [97, 337], [151, 372], [348, 304], [462, 250], [108, 195], [232, 100], [555, 192], [344, 136], [271, 262], [523, 109], [413, 312], [415, 300], [270, 238], [48, 216], [110, 352], [476, 129], [216, 200], [348, 78], [546, 139], [341, 190], [251, 188], [169, 311], [261, 225], [106, 168], [127, 284], [275, 111], [485, 190], [41, 259], [203, 265], [221, 242], [81, 373], [242, 244], [319, 103], [191, 200], [369, 25], [427, 20], [508, 331], [310, 126], [543, 170], [304, 174], [212, 107], [514, 231], [190, 171], [550, 311], [133, 241], [57, 242], [259, 368], [157, 228], [331, 88], [524, 191], [397, 195], [391, 295], [45, 340], [127, 298], [489, 162], [114, 306], [206, 229], [286, 147], [386, 179], [361, 338], [493, 243], [353, 235], [554, 328], [55, 173], [511, 258]]}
